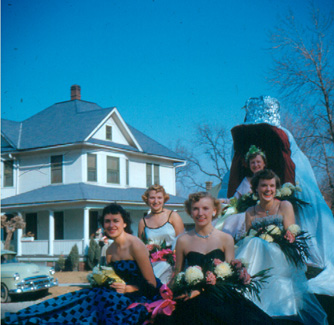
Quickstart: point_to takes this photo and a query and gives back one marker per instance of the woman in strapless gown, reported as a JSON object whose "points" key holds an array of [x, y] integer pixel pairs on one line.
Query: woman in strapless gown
{"points": [[160, 226], [285, 293], [200, 247], [104, 305]]}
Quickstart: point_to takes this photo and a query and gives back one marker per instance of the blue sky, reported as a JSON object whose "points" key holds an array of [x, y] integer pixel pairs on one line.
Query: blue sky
{"points": [[167, 65]]}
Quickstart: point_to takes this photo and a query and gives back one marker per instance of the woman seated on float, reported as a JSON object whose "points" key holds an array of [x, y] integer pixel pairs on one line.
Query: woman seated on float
{"points": [[272, 243]]}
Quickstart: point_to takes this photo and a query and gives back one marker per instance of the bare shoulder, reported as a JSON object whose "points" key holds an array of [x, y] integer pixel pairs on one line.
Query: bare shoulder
{"points": [[285, 205], [174, 215], [227, 238], [251, 211], [135, 242]]}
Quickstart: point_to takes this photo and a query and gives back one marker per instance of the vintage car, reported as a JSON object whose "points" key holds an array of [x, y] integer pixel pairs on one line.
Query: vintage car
{"points": [[19, 278]]}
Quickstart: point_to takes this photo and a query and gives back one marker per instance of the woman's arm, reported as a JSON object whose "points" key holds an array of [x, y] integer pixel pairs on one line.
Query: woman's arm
{"points": [[248, 220], [228, 246], [177, 223], [179, 254], [141, 228], [288, 214]]}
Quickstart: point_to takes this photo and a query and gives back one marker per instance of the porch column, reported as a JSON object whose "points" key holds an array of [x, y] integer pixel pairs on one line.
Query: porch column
{"points": [[85, 230], [19, 243], [19, 233], [51, 232]]}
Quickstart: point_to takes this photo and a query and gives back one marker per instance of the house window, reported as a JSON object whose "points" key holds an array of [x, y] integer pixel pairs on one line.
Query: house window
{"points": [[56, 169], [152, 174], [31, 224], [59, 225], [93, 222], [113, 170], [108, 132], [91, 168], [8, 173], [127, 171]]}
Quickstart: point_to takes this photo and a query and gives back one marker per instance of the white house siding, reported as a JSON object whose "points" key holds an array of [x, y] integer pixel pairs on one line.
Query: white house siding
{"points": [[137, 170], [73, 166], [117, 135]]}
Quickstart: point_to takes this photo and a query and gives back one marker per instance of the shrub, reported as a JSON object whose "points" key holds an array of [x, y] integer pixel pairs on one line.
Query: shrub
{"points": [[94, 252], [60, 264], [72, 260]]}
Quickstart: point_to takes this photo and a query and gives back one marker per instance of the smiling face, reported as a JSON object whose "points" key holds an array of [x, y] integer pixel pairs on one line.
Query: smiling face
{"points": [[266, 190], [155, 201], [256, 164], [202, 211], [113, 225]]}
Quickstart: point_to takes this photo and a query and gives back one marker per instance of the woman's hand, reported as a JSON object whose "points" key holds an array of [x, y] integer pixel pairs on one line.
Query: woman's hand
{"points": [[119, 287], [185, 297]]}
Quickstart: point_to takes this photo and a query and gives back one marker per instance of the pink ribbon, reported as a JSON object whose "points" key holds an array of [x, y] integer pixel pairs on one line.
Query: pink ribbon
{"points": [[163, 306]]}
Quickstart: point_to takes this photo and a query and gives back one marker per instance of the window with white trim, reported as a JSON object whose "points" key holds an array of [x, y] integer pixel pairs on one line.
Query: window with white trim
{"points": [[109, 132], [152, 174], [56, 169], [91, 167], [113, 172], [8, 177]]}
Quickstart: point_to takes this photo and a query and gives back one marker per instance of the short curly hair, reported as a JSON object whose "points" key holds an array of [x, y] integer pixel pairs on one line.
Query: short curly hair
{"points": [[117, 209], [157, 188], [264, 174], [195, 197]]}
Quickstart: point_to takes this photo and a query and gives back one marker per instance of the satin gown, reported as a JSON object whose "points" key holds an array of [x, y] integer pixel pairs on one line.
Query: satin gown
{"points": [[162, 270], [207, 308], [99, 305], [285, 295], [235, 224]]}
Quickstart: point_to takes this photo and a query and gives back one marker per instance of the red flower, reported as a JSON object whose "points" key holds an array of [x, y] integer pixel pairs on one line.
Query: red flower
{"points": [[217, 261], [289, 236], [210, 278], [244, 276], [236, 263]]}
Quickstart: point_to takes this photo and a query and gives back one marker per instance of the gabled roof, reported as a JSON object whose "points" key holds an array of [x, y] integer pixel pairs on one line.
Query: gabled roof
{"points": [[73, 122], [53, 194]]}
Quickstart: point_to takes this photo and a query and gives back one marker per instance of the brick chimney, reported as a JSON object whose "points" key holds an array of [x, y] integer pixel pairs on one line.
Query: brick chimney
{"points": [[75, 92], [208, 186]]}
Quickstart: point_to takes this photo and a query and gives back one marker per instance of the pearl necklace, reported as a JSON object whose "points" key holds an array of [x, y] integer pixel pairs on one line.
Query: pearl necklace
{"points": [[205, 236]]}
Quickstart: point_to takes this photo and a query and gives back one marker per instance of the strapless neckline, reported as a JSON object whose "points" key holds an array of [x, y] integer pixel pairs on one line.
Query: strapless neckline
{"points": [[205, 254]]}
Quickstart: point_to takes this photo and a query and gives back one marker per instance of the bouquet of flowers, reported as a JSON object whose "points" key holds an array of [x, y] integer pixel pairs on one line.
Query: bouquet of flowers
{"points": [[292, 241], [103, 276], [227, 279], [159, 251], [286, 192]]}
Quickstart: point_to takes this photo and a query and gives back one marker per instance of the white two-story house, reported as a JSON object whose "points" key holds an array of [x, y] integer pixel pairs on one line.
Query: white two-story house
{"points": [[61, 166]]}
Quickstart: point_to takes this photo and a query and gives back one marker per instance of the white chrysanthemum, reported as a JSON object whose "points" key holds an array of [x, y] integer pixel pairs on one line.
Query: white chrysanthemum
{"points": [[193, 275], [230, 211], [267, 238], [278, 193], [295, 229], [223, 270], [255, 197], [273, 230], [179, 277], [298, 188], [288, 185], [154, 242], [285, 191], [252, 233]]}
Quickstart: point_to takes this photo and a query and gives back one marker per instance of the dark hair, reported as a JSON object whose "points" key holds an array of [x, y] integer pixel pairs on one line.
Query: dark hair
{"points": [[117, 209], [264, 174], [195, 197], [157, 188]]}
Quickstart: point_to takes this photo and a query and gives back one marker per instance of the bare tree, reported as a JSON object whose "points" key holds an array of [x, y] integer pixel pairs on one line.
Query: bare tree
{"points": [[303, 72], [10, 225], [207, 155]]}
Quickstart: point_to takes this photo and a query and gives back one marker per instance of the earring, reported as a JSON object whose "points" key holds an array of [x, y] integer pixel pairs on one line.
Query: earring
{"points": [[214, 215]]}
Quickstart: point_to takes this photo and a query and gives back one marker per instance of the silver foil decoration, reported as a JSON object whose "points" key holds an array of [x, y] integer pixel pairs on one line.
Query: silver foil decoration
{"points": [[264, 109]]}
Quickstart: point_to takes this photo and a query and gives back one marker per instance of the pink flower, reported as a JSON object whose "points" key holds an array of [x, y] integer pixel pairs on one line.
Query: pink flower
{"points": [[157, 256], [210, 278], [217, 261], [289, 236], [236, 263], [244, 276], [150, 247]]}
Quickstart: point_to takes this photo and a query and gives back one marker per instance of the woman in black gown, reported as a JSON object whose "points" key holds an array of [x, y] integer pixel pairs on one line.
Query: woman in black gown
{"points": [[104, 305], [199, 247]]}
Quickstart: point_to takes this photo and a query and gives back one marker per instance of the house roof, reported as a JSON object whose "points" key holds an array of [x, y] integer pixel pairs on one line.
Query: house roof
{"points": [[72, 122], [79, 192]]}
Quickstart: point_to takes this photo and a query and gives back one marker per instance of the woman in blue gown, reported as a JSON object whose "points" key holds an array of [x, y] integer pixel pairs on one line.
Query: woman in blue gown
{"points": [[199, 247], [104, 305], [285, 295]]}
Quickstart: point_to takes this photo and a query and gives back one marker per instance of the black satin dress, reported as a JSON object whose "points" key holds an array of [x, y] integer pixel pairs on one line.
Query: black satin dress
{"points": [[207, 308]]}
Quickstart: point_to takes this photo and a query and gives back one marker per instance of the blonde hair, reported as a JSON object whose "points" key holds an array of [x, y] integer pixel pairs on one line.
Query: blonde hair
{"points": [[157, 188], [195, 197]]}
